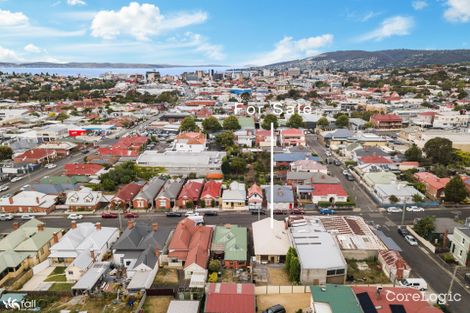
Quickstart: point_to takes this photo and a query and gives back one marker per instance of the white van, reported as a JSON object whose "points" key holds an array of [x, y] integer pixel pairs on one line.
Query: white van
{"points": [[416, 283]]}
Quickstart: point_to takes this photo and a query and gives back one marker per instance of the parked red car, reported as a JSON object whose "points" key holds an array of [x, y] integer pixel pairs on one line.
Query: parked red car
{"points": [[109, 215], [131, 215], [297, 211]]}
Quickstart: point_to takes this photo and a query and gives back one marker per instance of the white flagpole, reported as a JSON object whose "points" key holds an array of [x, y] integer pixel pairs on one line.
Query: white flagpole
{"points": [[272, 176]]}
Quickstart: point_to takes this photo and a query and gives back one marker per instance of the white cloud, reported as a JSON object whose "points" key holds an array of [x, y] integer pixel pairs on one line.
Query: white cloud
{"points": [[362, 17], [200, 44], [290, 49], [76, 2], [31, 48], [419, 5], [7, 55], [393, 26], [458, 11], [8, 18], [140, 21]]}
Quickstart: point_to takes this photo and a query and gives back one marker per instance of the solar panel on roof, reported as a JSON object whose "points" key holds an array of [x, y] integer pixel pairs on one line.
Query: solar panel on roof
{"points": [[366, 303], [397, 308]]}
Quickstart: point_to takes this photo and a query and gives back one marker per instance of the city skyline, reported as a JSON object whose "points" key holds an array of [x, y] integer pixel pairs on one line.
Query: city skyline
{"points": [[206, 32]]}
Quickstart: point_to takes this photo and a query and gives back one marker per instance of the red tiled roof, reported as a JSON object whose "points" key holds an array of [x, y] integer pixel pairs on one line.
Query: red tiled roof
{"points": [[255, 189], [191, 190], [230, 298], [121, 152], [375, 159], [292, 132], [200, 102], [192, 138], [190, 243], [329, 189], [211, 189], [35, 154], [388, 297], [81, 169], [127, 192], [431, 180], [386, 118]]}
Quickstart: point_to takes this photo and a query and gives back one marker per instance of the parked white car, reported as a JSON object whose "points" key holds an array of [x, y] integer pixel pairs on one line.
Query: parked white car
{"points": [[16, 178], [74, 216], [411, 240], [414, 208], [26, 217], [416, 283], [4, 188], [6, 217], [191, 213], [394, 209], [50, 165], [25, 187]]}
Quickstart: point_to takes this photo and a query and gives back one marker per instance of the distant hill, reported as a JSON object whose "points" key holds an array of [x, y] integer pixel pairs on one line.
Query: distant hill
{"points": [[364, 60], [95, 65]]}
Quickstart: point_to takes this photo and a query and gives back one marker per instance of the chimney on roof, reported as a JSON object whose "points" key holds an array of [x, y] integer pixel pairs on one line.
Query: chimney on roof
{"points": [[73, 224], [130, 224], [55, 237], [154, 226], [16, 225], [37, 200], [40, 227], [10, 200], [92, 255], [98, 226], [378, 292], [157, 253]]}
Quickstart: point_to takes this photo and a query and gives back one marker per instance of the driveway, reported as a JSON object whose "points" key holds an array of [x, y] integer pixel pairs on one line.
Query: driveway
{"points": [[37, 281]]}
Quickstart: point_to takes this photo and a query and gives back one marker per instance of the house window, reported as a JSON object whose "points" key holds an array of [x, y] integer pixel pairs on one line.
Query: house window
{"points": [[463, 241], [162, 202], [70, 272], [460, 253]]}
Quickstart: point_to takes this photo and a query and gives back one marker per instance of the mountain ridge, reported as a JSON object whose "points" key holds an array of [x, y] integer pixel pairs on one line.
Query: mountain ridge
{"points": [[365, 60]]}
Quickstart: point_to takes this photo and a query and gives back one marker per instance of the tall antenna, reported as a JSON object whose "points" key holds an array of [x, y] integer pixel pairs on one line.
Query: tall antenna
{"points": [[272, 176]]}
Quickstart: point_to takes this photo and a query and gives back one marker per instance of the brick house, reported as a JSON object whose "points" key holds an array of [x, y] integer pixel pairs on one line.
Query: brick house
{"points": [[190, 193], [166, 198], [124, 196], [434, 185], [36, 156], [145, 198], [386, 121], [211, 193], [28, 202]]}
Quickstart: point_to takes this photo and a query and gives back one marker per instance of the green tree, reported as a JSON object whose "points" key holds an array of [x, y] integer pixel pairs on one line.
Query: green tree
{"points": [[393, 199], [214, 266], [294, 272], [323, 122], [342, 121], [439, 150], [268, 119], [5, 153], [440, 170], [189, 125], [211, 125], [238, 165], [225, 139], [231, 123], [62, 116], [455, 190], [368, 125], [425, 227], [414, 153], [295, 121], [291, 252], [417, 198], [245, 97]]}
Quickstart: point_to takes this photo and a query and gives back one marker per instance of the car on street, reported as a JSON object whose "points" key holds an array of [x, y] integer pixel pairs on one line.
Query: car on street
{"points": [[25, 187], [131, 215], [174, 214], [327, 211], [256, 211], [394, 209], [403, 231], [411, 240], [85, 151], [275, 309], [4, 188], [16, 178], [416, 283], [414, 208], [345, 172], [350, 177], [26, 217], [74, 216], [467, 278], [50, 166], [6, 217], [191, 213], [328, 153], [337, 162], [211, 213], [109, 215]]}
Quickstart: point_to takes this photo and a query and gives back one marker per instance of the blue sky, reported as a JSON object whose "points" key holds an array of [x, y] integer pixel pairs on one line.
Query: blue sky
{"points": [[223, 31]]}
